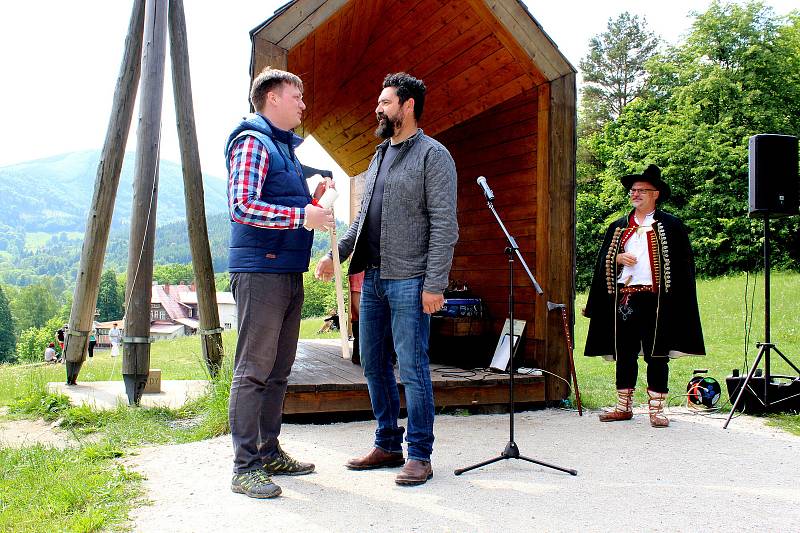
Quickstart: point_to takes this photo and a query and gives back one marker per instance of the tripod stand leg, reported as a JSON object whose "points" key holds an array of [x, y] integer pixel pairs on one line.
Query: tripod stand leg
{"points": [[459, 471], [786, 359], [548, 465], [744, 385]]}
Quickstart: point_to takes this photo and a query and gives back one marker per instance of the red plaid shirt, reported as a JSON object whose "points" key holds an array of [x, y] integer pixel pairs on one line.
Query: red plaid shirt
{"points": [[249, 165]]}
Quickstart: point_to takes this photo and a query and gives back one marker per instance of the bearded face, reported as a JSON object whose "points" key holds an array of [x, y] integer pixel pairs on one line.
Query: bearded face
{"points": [[388, 125]]}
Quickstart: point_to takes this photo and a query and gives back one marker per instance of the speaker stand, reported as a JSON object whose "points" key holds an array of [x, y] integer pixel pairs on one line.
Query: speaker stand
{"points": [[765, 347]]}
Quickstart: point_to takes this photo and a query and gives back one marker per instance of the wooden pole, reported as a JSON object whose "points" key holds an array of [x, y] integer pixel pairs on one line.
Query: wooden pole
{"points": [[337, 274], [98, 222], [136, 342], [210, 332]]}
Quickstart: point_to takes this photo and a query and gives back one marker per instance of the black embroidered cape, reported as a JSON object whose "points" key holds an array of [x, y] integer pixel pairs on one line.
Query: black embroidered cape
{"points": [[678, 330]]}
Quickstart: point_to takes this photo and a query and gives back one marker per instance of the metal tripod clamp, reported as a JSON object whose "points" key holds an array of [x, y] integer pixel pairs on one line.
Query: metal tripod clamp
{"points": [[137, 340]]}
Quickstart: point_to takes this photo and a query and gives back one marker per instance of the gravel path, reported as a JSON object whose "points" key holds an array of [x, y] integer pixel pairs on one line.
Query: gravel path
{"points": [[691, 476], [18, 433]]}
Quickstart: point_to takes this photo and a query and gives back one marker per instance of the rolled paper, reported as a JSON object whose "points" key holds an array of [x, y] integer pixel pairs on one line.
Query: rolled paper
{"points": [[328, 197]]}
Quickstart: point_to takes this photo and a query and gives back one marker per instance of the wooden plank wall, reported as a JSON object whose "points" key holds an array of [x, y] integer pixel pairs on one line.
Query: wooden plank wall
{"points": [[458, 51], [500, 144]]}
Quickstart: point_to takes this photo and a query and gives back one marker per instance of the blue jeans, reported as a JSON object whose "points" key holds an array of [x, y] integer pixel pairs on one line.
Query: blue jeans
{"points": [[394, 307]]}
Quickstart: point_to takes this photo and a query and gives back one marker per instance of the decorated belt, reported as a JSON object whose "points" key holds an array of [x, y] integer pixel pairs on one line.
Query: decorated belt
{"points": [[631, 289]]}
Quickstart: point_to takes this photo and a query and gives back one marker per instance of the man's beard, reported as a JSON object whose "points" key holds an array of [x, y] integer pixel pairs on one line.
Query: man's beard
{"points": [[387, 127]]}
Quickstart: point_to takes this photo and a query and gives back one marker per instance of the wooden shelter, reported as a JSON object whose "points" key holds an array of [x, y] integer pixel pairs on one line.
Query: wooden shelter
{"points": [[501, 98]]}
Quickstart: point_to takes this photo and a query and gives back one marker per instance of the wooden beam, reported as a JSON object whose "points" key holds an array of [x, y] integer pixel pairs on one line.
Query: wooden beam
{"points": [[210, 332], [136, 346], [543, 234], [98, 222], [561, 206], [526, 34], [298, 21], [268, 55], [288, 20]]}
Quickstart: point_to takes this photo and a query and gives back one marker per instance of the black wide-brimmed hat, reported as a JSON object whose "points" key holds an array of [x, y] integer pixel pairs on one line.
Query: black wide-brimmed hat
{"points": [[652, 174]]}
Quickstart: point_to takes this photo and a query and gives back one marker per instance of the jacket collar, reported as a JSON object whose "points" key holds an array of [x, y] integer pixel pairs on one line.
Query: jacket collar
{"points": [[410, 141], [286, 137], [657, 215]]}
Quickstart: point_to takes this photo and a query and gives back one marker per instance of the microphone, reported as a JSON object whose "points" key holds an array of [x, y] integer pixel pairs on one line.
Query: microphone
{"points": [[487, 192]]}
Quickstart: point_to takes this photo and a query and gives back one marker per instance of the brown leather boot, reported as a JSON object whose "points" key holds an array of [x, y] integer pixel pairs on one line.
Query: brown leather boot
{"points": [[655, 405], [414, 473], [624, 408], [376, 458]]}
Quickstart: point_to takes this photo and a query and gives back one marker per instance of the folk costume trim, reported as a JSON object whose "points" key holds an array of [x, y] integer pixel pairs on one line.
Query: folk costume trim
{"points": [[658, 250]]}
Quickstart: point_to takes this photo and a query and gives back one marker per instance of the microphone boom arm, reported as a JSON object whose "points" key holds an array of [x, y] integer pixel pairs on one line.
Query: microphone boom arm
{"points": [[512, 243]]}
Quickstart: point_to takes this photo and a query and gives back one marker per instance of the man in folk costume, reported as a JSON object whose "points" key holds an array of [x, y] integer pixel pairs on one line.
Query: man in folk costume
{"points": [[643, 299]]}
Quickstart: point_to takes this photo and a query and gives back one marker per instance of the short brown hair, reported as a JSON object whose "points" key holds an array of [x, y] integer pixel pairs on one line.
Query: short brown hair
{"points": [[268, 80]]}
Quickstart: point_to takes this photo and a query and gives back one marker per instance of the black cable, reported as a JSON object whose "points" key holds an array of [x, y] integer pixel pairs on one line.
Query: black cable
{"points": [[455, 372]]}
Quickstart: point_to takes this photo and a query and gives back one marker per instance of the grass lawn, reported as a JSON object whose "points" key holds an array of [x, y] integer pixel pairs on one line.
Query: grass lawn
{"points": [[45, 489]]}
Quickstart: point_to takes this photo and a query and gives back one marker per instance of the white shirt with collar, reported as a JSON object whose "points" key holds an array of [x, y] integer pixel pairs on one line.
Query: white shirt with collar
{"points": [[641, 272]]}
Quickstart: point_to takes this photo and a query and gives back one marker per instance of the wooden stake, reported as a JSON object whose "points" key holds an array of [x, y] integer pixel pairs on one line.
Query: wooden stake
{"points": [[98, 222], [136, 343], [210, 332], [337, 271]]}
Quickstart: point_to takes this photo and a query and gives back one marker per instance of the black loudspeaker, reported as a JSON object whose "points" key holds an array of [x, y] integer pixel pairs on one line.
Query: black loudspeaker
{"points": [[783, 391], [773, 175]]}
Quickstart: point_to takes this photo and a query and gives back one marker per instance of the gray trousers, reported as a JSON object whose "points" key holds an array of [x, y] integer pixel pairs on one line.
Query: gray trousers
{"points": [[269, 308]]}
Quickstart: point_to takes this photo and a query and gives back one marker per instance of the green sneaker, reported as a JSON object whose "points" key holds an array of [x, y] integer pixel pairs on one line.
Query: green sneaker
{"points": [[256, 484], [286, 465]]}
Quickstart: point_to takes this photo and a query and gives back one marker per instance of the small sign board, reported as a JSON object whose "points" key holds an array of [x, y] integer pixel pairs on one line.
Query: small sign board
{"points": [[153, 384]]}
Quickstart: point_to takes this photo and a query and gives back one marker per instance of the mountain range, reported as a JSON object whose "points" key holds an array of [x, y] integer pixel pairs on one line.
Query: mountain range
{"points": [[54, 194], [45, 203]]}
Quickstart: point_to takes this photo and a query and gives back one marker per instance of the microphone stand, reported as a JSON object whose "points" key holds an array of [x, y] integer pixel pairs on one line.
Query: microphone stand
{"points": [[511, 450]]}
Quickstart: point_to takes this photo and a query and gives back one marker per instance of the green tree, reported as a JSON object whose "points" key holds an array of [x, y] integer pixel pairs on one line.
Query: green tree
{"points": [[222, 281], [614, 75], [736, 75], [33, 306], [614, 70], [31, 345], [7, 338], [109, 297], [173, 273], [320, 296]]}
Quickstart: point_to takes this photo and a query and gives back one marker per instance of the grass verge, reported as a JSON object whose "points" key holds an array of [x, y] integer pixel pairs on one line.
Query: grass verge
{"points": [[47, 489]]}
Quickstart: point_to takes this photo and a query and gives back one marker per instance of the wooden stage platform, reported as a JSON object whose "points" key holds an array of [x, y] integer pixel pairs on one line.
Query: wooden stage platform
{"points": [[323, 382]]}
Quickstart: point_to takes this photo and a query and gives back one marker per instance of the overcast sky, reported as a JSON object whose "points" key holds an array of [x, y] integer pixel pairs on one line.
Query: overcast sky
{"points": [[60, 61]]}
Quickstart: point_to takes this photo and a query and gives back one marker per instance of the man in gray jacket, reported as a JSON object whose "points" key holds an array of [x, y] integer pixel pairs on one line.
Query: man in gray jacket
{"points": [[403, 239]]}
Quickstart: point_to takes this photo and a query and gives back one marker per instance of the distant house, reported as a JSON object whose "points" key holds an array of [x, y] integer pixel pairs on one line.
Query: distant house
{"points": [[169, 318], [226, 306], [174, 313]]}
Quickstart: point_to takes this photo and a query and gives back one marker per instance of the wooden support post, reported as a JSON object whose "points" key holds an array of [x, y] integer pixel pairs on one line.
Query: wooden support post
{"points": [[98, 222], [136, 343], [210, 332], [337, 279], [559, 276]]}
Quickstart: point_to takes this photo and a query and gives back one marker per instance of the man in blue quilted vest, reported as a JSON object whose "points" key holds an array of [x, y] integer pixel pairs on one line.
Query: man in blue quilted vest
{"points": [[272, 223]]}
